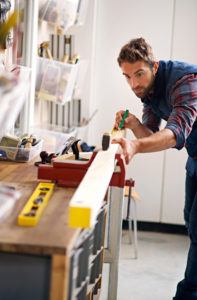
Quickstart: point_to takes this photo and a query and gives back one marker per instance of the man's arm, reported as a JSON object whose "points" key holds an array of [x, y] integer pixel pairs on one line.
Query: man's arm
{"points": [[179, 124], [158, 141], [150, 122], [133, 123], [140, 130]]}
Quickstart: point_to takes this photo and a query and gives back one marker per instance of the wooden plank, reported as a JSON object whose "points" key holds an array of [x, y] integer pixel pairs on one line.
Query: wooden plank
{"points": [[89, 196], [116, 134]]}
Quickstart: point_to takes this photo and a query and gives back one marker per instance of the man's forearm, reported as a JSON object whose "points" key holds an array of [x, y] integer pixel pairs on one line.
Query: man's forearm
{"points": [[158, 141], [140, 130]]}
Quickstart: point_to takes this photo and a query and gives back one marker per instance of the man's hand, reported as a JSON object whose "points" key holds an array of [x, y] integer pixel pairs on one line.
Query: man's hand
{"points": [[129, 148], [161, 140], [130, 122]]}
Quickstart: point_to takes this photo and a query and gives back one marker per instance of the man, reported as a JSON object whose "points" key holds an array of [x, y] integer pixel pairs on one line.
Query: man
{"points": [[168, 90]]}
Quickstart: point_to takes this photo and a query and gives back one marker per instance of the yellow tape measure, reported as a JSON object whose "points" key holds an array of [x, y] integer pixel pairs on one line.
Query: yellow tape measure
{"points": [[32, 211]]}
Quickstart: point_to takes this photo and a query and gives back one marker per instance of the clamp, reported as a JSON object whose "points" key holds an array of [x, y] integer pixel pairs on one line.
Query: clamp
{"points": [[70, 173]]}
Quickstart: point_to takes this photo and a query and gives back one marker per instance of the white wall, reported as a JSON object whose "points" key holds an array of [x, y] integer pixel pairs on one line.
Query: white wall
{"points": [[165, 25], [118, 22], [184, 47]]}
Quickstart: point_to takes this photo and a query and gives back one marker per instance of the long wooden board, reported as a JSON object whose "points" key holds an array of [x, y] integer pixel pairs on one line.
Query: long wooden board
{"points": [[88, 198]]}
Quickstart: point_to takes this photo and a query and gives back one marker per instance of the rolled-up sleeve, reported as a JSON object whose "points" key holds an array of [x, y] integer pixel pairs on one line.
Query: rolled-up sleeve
{"points": [[150, 119], [184, 112]]}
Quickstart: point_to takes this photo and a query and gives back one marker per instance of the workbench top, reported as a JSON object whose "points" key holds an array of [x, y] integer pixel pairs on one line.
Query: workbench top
{"points": [[51, 235]]}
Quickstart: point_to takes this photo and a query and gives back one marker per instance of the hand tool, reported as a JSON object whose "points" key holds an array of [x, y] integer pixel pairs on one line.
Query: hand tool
{"points": [[71, 143], [32, 211], [106, 141]]}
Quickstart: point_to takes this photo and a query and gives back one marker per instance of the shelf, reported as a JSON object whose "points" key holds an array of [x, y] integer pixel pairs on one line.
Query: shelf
{"points": [[64, 14], [55, 81]]}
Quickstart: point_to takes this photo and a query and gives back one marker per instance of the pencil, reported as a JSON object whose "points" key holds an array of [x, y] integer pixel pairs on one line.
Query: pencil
{"points": [[123, 118]]}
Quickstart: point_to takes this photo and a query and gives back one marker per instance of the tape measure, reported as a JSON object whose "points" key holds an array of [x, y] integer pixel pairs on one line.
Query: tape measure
{"points": [[32, 211]]}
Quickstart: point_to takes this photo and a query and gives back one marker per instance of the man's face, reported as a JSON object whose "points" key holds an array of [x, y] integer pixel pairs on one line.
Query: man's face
{"points": [[140, 76]]}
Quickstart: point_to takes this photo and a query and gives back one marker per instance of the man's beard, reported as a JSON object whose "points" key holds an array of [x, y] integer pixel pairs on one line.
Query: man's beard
{"points": [[142, 92]]}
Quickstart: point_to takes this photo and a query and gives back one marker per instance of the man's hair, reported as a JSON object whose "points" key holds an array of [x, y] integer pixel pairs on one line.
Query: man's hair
{"points": [[135, 50]]}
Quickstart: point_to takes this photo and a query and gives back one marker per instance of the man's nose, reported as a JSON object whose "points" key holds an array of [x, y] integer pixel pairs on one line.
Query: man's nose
{"points": [[133, 83]]}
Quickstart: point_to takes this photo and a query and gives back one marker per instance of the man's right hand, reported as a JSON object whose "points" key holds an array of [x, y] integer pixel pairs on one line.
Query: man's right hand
{"points": [[130, 122]]}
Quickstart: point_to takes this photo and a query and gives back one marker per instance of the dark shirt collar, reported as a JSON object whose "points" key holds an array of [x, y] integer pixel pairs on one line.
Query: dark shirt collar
{"points": [[148, 97]]}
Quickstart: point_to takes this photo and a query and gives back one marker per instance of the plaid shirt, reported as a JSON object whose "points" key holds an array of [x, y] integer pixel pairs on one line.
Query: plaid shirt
{"points": [[180, 110]]}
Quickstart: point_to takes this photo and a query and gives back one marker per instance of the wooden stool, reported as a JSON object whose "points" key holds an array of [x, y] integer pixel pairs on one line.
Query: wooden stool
{"points": [[131, 216]]}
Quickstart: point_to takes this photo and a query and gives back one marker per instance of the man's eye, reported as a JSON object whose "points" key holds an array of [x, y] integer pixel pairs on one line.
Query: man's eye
{"points": [[140, 74], [127, 77]]}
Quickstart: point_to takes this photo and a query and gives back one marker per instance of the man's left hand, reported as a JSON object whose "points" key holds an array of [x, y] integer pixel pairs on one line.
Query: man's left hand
{"points": [[129, 148]]}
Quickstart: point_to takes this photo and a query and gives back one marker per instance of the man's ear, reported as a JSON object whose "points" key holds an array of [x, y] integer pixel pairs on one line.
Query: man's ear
{"points": [[155, 67]]}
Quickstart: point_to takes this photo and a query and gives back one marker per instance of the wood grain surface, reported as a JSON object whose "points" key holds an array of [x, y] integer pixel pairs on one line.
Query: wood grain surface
{"points": [[52, 234]]}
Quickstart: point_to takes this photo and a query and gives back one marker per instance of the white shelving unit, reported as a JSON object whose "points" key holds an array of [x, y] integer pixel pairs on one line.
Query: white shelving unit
{"points": [[29, 57], [21, 94], [54, 113]]}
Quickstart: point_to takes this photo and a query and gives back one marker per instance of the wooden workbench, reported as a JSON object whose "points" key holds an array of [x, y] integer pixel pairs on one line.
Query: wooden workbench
{"points": [[36, 263], [39, 254]]}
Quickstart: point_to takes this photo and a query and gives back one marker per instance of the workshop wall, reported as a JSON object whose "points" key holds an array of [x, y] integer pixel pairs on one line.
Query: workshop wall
{"points": [[170, 29]]}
